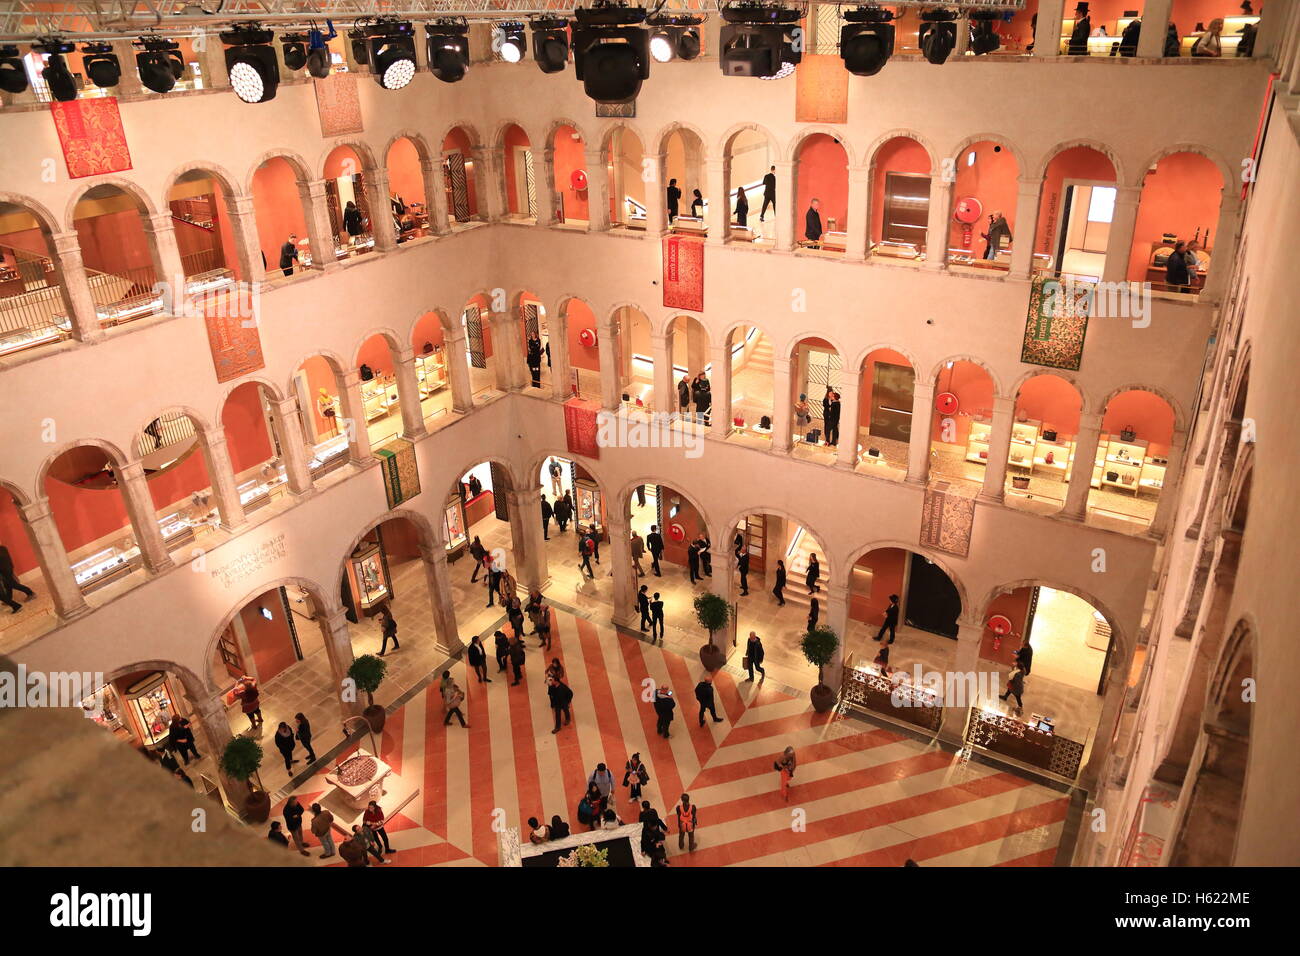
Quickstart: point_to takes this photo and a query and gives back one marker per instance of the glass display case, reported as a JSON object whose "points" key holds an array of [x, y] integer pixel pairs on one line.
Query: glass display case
{"points": [[104, 708], [369, 576], [588, 508], [150, 704], [431, 372], [258, 491], [331, 452], [453, 524], [105, 565], [377, 397]]}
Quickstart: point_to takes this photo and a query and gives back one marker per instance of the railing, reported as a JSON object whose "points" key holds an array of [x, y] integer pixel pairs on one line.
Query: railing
{"points": [[163, 433], [32, 318], [123, 296]]}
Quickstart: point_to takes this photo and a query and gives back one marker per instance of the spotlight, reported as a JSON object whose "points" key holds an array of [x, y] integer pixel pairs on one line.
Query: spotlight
{"points": [[159, 64], [938, 34], [983, 39], [57, 76], [295, 51], [101, 64], [762, 41], [611, 51], [360, 52], [674, 37], [391, 52], [508, 40], [447, 43], [550, 43], [318, 53], [866, 40], [251, 63], [13, 76]]}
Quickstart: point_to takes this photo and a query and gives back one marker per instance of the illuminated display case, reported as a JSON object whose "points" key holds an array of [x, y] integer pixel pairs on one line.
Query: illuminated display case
{"points": [[150, 704], [105, 565], [431, 372], [453, 526], [368, 576], [589, 508]]}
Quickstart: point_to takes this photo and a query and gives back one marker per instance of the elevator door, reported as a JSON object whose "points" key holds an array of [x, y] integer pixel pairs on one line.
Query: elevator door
{"points": [[907, 208], [933, 603], [891, 401]]}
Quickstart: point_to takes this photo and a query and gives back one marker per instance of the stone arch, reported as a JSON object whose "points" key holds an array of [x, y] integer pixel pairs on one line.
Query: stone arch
{"points": [[874, 150], [724, 144], [943, 563], [295, 161], [1212, 155], [144, 201], [787, 348], [1180, 418], [470, 131], [114, 454], [666, 320], [534, 466], [997, 140], [557, 124], [428, 536], [939, 366], [1039, 172], [1085, 407], [394, 340], [607, 135], [829, 565], [511, 471], [416, 139], [21, 498], [336, 363], [1119, 636], [42, 214], [218, 172], [905, 352], [358, 146], [276, 393], [499, 136], [791, 154], [726, 332], [625, 495], [196, 688], [449, 329], [1236, 502], [202, 426], [661, 139]]}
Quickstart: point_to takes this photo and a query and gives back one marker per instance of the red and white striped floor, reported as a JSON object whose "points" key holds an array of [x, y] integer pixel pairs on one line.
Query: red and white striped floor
{"points": [[862, 796]]}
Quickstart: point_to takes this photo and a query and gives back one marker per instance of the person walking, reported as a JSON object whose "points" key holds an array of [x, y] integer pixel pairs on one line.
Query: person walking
{"points": [[293, 819], [374, 821], [687, 821], [9, 582], [998, 230], [517, 660], [657, 617], [693, 561], [643, 605], [742, 565], [653, 828], [638, 550], [673, 197], [891, 619], [478, 553], [814, 612], [563, 512], [664, 706], [602, 778], [493, 579], [284, 743], [812, 222], [754, 655], [303, 733], [452, 698], [1015, 688], [785, 767], [322, 828], [814, 572], [547, 513], [555, 470], [742, 208], [585, 550], [778, 590], [181, 739], [769, 194], [655, 542], [289, 254], [366, 842], [502, 650], [1024, 656], [476, 657], [250, 701], [635, 776], [389, 628], [544, 627], [560, 696], [704, 694]]}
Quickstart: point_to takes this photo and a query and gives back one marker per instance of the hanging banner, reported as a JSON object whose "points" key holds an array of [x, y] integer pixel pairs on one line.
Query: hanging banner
{"points": [[821, 89], [1057, 322], [338, 105], [91, 134], [231, 320], [684, 273], [401, 472], [947, 517], [580, 427]]}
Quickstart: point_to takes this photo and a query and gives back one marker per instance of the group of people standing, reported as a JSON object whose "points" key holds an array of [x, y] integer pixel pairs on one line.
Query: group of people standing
{"points": [[673, 199], [698, 391]]}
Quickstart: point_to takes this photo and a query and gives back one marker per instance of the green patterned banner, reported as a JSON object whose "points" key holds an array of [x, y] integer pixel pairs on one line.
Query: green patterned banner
{"points": [[1057, 322], [401, 474]]}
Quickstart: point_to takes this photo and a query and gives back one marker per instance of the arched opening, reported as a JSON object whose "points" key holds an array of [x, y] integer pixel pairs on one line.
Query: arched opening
{"points": [[961, 423], [672, 516], [582, 336], [821, 173], [253, 442], [432, 369], [406, 193], [684, 172], [688, 357], [279, 207], [568, 156], [636, 361], [900, 200], [627, 197], [480, 544], [578, 505], [90, 513], [985, 191], [485, 374], [521, 177], [884, 426], [752, 384], [459, 177], [176, 466], [535, 341], [1042, 453], [317, 383], [201, 219], [34, 310], [816, 376], [347, 197], [1075, 212], [120, 258], [381, 402], [32, 595], [1128, 476], [1181, 195], [388, 570], [905, 589], [748, 157]]}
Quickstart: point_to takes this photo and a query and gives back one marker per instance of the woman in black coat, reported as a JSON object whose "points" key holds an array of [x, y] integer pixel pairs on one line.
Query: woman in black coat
{"points": [[304, 735], [742, 207], [780, 583], [352, 219], [284, 743], [477, 658], [814, 572]]}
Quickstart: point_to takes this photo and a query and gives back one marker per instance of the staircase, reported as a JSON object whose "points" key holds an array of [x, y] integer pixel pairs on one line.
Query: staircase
{"points": [[760, 357]]}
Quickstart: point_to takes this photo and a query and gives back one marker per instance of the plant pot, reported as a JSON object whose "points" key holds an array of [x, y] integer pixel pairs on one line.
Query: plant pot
{"points": [[712, 657], [375, 717], [823, 697], [257, 806]]}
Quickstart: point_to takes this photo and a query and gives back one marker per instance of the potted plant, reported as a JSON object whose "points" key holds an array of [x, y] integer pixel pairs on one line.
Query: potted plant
{"points": [[240, 761], [712, 613], [367, 673], [818, 646]]}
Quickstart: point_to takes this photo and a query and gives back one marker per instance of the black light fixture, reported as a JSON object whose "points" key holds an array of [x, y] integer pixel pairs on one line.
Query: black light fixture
{"points": [[674, 37], [251, 62], [611, 51], [508, 40], [391, 44], [159, 63], [760, 40], [983, 38], [13, 76], [62, 84], [938, 34], [447, 43], [866, 40], [318, 51], [101, 64], [550, 43], [295, 51], [360, 51]]}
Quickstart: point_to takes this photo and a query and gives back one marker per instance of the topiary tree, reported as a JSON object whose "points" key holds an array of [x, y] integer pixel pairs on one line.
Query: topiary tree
{"points": [[818, 646], [712, 612], [241, 759], [367, 673]]}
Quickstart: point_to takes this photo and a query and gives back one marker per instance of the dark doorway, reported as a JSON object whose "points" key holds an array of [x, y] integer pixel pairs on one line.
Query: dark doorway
{"points": [[932, 601]]}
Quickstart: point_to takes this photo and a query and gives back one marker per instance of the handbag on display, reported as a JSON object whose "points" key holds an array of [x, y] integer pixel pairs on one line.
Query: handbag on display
{"points": [[1112, 476], [1127, 433], [1049, 434], [814, 436], [873, 452], [1049, 458], [765, 422], [367, 373], [738, 421], [984, 456]]}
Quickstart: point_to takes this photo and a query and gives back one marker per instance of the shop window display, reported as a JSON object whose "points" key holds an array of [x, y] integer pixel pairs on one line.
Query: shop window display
{"points": [[149, 702], [368, 577]]}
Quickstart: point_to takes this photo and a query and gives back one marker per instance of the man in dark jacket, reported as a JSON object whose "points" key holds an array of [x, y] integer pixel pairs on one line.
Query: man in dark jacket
{"points": [[517, 659], [653, 827], [564, 512], [693, 560], [674, 197], [643, 605], [1078, 42], [742, 565], [493, 580], [684, 395], [702, 393], [754, 655], [289, 254], [476, 551], [664, 707], [998, 230], [891, 619], [502, 650], [535, 360], [561, 696], [547, 512], [1176, 273], [769, 193], [1024, 656], [832, 420], [704, 694], [812, 228], [654, 543], [9, 582], [657, 617]]}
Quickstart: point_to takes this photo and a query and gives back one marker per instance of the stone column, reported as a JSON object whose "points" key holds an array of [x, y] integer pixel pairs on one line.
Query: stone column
{"points": [[1119, 241], [995, 472], [937, 223], [490, 182], [353, 418], [656, 200], [557, 335], [837, 619], [782, 405], [1155, 23], [381, 209], [508, 350], [597, 190], [544, 184], [963, 36], [222, 475], [1022, 248], [611, 388], [128, 84], [320, 233], [719, 198], [785, 211], [665, 396], [338, 651], [967, 660], [293, 448], [625, 580], [462, 388], [1047, 37], [1225, 237], [144, 517], [248, 246], [1085, 458], [918, 445], [408, 394], [212, 734], [720, 423], [167, 265], [47, 545], [435, 196], [526, 537], [438, 579], [75, 287], [859, 214], [847, 451], [1168, 504]]}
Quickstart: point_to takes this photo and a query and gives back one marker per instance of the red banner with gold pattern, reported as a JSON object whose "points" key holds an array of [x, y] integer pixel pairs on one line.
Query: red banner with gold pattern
{"points": [[684, 273], [580, 427], [231, 319], [91, 134]]}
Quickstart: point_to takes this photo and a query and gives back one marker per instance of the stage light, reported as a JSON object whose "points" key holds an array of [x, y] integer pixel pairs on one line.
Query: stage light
{"points": [[58, 78], [866, 40], [360, 52], [674, 37], [251, 63], [983, 38], [762, 41], [447, 43], [318, 51], [391, 51], [159, 63], [508, 40], [13, 76], [938, 34], [101, 64], [611, 52], [295, 51], [550, 43]]}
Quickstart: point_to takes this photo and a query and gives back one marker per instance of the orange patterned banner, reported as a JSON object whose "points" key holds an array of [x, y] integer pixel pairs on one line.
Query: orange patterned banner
{"points": [[821, 89], [91, 134], [338, 105], [231, 319], [684, 273]]}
